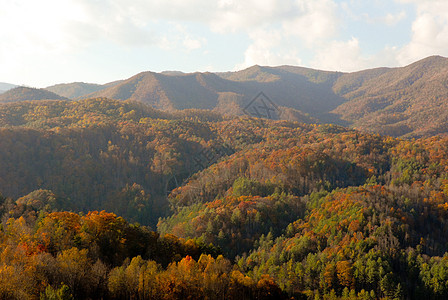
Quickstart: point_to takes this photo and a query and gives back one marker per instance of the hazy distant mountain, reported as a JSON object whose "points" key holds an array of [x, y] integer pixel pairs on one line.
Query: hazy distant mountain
{"points": [[26, 93], [172, 73], [78, 89], [6, 86], [74, 90]]}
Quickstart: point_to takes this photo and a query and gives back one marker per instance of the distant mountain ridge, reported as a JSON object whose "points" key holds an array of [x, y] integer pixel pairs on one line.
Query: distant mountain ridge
{"points": [[6, 86], [78, 89], [407, 101], [74, 90], [410, 101], [305, 90]]}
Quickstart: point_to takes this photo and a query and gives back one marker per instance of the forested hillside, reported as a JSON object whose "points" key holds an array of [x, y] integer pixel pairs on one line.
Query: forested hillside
{"points": [[409, 101], [25, 93], [98, 154], [243, 208]]}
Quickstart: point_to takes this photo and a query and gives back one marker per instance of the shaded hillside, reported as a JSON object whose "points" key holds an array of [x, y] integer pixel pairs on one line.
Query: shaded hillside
{"points": [[170, 92], [101, 153], [26, 93], [271, 74], [409, 101], [143, 87], [291, 114], [307, 90], [304, 90]]}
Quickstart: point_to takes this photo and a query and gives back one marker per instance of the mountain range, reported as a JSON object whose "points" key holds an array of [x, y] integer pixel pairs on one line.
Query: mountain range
{"points": [[409, 101]]}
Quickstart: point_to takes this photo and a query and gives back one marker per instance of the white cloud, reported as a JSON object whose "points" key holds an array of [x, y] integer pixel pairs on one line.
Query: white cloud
{"points": [[373, 13], [255, 55], [50, 33], [276, 29], [429, 37], [191, 43], [341, 56], [269, 47], [178, 38], [308, 20], [34, 38], [315, 22], [393, 19], [429, 31], [233, 15], [25, 23], [81, 22], [307, 23]]}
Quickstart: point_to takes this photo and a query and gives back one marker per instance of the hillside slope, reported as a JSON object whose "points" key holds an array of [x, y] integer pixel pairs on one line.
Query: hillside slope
{"points": [[26, 94], [409, 101], [303, 211], [306, 91]]}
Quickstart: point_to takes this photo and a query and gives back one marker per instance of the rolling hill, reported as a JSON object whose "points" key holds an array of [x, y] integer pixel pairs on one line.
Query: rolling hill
{"points": [[25, 94]]}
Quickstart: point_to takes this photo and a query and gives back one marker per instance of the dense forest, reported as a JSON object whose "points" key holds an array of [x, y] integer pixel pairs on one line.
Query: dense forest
{"points": [[117, 200]]}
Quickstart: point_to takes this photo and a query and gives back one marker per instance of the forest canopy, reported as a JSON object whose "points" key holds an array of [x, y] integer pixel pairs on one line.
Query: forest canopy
{"points": [[109, 199]]}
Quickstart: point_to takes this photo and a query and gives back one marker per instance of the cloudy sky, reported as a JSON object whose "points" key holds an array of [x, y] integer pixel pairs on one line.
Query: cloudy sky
{"points": [[53, 41]]}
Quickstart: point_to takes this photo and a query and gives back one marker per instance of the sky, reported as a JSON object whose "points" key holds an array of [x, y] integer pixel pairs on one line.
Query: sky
{"points": [[47, 42]]}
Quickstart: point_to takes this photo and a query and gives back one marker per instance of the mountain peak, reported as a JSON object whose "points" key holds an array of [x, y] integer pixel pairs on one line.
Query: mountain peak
{"points": [[435, 60], [172, 73]]}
